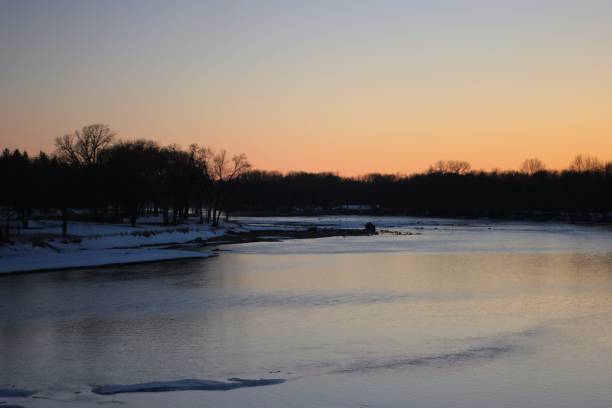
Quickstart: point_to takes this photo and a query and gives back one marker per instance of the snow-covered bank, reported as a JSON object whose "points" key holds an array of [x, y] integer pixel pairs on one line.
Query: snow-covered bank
{"points": [[90, 244], [41, 246], [39, 260]]}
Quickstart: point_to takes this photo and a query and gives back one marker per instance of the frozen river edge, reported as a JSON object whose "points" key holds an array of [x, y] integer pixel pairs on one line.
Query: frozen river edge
{"points": [[94, 245]]}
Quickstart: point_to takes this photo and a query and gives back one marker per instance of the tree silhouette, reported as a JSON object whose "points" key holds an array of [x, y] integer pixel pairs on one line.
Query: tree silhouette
{"points": [[532, 166], [450, 167], [223, 171], [93, 177], [585, 163], [84, 147]]}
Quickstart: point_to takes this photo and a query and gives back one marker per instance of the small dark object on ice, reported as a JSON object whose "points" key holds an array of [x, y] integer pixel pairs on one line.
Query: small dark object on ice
{"points": [[370, 228], [38, 243]]}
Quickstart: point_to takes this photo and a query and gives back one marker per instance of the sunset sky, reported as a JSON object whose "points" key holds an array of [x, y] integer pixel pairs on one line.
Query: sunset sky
{"points": [[347, 86]]}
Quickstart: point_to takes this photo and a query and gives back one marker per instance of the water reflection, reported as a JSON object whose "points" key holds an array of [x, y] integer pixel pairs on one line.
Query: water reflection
{"points": [[460, 319]]}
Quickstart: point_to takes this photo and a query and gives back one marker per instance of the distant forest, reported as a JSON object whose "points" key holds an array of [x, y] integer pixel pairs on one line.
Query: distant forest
{"points": [[93, 176]]}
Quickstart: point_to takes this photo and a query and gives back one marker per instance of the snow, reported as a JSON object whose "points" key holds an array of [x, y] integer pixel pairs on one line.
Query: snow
{"points": [[92, 244], [44, 259], [184, 385], [93, 230], [80, 229]]}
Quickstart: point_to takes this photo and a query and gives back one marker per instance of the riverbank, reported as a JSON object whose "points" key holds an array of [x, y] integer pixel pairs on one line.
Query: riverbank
{"points": [[600, 218], [41, 247]]}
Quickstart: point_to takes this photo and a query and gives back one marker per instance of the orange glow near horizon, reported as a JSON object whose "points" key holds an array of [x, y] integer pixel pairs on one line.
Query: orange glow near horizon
{"points": [[388, 89]]}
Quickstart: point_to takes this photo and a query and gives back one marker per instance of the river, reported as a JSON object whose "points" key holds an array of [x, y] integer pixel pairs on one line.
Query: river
{"points": [[431, 313]]}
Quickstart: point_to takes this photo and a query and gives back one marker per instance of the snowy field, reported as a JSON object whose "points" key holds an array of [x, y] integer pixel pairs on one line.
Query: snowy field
{"points": [[91, 244]]}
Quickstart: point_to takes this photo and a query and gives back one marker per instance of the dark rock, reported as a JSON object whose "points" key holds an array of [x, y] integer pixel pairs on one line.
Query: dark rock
{"points": [[370, 228]]}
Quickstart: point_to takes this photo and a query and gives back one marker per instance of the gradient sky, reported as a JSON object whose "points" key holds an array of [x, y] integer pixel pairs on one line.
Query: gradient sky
{"points": [[348, 86]]}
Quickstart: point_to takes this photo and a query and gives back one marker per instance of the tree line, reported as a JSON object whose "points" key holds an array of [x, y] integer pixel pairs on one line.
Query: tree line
{"points": [[92, 175], [576, 193]]}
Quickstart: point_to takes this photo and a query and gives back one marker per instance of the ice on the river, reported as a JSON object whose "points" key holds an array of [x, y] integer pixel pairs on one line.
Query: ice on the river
{"points": [[435, 235], [15, 393], [185, 385], [441, 360]]}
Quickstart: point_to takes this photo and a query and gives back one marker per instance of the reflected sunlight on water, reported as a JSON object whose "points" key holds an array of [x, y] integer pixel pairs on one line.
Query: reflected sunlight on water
{"points": [[513, 324]]}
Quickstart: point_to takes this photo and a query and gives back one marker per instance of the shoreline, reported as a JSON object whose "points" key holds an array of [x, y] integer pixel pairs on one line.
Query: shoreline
{"points": [[106, 265], [543, 217], [146, 253], [94, 245]]}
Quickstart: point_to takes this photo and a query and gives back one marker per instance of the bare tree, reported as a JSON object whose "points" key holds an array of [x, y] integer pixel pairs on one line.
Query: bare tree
{"points": [[450, 167], [223, 171], [202, 157], [84, 147], [532, 166], [586, 163]]}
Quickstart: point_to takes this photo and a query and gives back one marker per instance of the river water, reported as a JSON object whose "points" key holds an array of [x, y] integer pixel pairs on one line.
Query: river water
{"points": [[449, 314]]}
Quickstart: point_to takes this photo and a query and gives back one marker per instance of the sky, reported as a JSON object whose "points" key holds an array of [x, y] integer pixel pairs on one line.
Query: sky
{"points": [[346, 86]]}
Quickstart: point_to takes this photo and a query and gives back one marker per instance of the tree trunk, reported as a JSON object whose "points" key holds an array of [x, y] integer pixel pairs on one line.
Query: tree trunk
{"points": [[64, 222], [25, 218], [216, 216], [133, 215], [165, 215], [7, 233]]}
